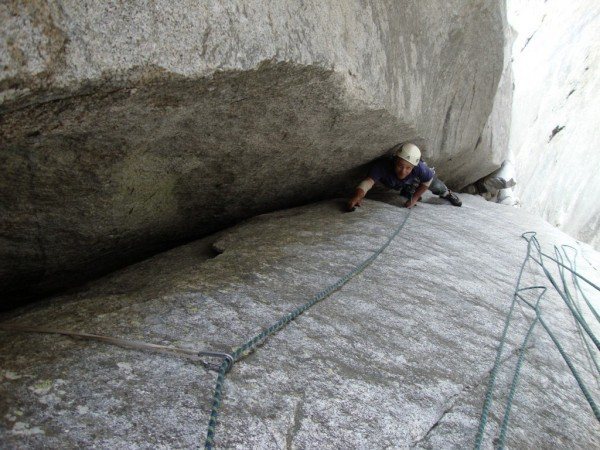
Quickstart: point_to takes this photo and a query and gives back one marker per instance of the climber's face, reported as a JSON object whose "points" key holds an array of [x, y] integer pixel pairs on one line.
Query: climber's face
{"points": [[403, 168]]}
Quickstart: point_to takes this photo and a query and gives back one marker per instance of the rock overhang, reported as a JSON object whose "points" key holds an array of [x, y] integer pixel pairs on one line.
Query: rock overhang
{"points": [[111, 153], [110, 176]]}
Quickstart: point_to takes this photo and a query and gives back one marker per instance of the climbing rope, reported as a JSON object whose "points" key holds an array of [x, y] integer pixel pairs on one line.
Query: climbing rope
{"points": [[227, 360], [515, 380], [251, 344], [573, 269], [563, 295], [194, 355], [590, 354], [575, 373], [566, 295], [492, 380], [578, 275], [243, 350]]}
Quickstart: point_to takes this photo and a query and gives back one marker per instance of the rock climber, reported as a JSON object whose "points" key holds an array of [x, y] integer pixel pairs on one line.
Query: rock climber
{"points": [[406, 172]]}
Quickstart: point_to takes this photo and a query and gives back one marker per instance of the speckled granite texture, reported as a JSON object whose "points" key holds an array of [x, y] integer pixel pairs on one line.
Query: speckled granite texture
{"points": [[398, 358]]}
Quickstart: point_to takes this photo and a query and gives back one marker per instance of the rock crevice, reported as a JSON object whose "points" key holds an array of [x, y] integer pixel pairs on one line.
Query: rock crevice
{"points": [[169, 123]]}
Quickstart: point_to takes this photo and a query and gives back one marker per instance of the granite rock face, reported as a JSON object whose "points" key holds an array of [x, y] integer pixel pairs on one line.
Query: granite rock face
{"points": [[494, 138], [399, 357], [125, 129], [555, 134]]}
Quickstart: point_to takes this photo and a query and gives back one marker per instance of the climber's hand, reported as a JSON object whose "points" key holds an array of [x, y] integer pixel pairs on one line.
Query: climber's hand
{"points": [[355, 202], [410, 203]]}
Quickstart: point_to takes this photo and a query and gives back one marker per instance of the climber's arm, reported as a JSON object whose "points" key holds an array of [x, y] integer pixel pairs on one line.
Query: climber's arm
{"points": [[360, 192], [417, 195]]}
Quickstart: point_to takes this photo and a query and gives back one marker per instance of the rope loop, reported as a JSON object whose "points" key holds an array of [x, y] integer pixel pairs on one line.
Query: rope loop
{"points": [[566, 295]]}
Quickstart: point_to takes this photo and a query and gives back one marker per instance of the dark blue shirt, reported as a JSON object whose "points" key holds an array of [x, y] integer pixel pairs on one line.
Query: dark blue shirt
{"points": [[383, 171]]}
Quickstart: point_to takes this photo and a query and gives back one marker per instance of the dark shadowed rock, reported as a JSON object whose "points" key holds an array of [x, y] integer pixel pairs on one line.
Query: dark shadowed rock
{"points": [[124, 130]]}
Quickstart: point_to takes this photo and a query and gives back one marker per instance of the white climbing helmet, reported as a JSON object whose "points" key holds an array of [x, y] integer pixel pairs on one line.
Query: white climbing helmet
{"points": [[409, 152]]}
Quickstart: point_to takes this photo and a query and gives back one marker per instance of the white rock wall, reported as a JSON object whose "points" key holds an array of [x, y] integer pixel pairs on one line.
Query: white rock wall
{"points": [[557, 84]]}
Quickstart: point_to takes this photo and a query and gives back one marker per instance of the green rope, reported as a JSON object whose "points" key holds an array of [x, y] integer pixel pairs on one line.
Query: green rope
{"points": [[515, 380], [487, 404], [595, 286], [573, 270], [580, 382], [250, 345], [532, 241], [216, 404], [590, 353], [579, 318]]}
